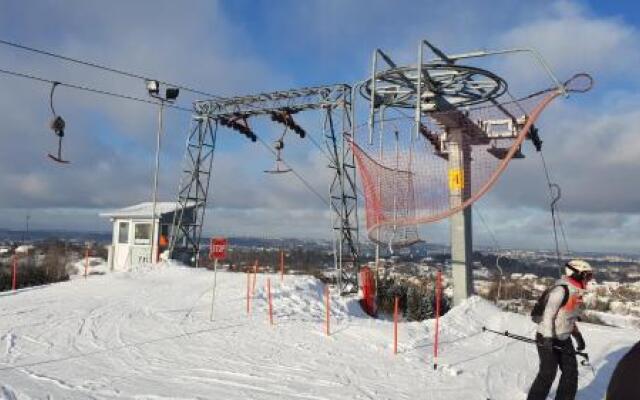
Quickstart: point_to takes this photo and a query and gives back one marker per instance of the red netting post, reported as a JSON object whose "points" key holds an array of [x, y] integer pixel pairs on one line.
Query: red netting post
{"points": [[255, 278], [395, 325], [281, 265], [14, 274], [270, 302], [86, 262], [437, 330], [248, 293], [327, 311]]}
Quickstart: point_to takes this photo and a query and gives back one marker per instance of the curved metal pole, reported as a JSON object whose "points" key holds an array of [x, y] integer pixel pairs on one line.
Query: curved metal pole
{"points": [[53, 89], [533, 52], [501, 276], [556, 198]]}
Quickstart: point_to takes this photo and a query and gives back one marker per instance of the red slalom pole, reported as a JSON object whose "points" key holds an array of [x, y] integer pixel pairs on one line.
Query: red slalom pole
{"points": [[281, 265], [437, 331], [255, 278], [270, 302], [395, 325], [248, 293], [14, 274], [326, 305], [86, 262]]}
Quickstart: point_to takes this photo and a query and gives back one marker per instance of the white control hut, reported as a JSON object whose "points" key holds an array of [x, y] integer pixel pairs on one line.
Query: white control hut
{"points": [[131, 242]]}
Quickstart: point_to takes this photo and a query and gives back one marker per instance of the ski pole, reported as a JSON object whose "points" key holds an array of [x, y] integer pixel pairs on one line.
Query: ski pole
{"points": [[510, 335], [585, 356]]}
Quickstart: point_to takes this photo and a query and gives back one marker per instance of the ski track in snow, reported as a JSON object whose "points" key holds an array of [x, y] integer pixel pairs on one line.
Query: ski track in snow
{"points": [[146, 334]]}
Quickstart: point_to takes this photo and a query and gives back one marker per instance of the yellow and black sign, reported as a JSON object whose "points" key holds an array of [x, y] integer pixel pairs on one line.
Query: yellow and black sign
{"points": [[456, 179]]}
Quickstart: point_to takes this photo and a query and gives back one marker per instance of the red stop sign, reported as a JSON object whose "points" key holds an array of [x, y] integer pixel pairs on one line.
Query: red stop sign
{"points": [[218, 248]]}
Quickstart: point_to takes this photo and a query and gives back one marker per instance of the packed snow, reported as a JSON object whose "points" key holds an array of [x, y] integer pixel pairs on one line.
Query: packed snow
{"points": [[147, 334]]}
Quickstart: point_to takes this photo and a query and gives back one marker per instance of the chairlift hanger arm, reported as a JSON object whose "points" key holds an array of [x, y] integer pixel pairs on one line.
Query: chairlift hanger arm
{"points": [[53, 89]]}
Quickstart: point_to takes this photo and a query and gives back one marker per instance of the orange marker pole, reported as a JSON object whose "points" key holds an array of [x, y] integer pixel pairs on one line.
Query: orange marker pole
{"points": [[255, 278], [86, 262], [395, 325], [326, 305], [248, 293], [270, 302], [14, 275], [281, 265], [437, 331]]}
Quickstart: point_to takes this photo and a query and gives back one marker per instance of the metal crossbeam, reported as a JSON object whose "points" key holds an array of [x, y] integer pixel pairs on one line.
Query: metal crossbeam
{"points": [[290, 100]]}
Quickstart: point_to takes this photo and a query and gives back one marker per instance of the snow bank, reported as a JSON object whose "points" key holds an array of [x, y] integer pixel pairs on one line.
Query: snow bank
{"points": [[96, 266], [304, 295]]}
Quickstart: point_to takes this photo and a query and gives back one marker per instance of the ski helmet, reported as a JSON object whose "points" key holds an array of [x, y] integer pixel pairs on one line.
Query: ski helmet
{"points": [[579, 269]]}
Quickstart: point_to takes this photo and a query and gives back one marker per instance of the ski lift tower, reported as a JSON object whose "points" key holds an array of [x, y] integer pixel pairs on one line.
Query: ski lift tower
{"points": [[446, 97], [334, 102]]}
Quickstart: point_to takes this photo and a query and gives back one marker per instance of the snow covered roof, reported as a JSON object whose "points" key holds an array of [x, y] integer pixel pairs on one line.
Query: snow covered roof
{"points": [[143, 210]]}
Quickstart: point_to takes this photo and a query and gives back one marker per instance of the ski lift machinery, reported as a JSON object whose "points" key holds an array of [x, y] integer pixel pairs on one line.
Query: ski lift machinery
{"points": [[459, 111], [471, 127]]}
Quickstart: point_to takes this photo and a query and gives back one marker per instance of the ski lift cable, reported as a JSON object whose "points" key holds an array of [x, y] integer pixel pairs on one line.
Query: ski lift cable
{"points": [[90, 89], [561, 224], [296, 173], [103, 67], [126, 97], [555, 197], [496, 245]]}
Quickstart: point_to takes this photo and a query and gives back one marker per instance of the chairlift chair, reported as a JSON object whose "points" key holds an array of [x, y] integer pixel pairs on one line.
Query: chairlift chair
{"points": [[280, 168]]}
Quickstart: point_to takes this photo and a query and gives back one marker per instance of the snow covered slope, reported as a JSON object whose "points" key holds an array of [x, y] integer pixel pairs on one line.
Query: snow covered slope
{"points": [[146, 334]]}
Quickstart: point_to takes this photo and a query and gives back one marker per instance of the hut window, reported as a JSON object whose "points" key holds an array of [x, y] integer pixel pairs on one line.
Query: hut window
{"points": [[143, 233], [123, 232]]}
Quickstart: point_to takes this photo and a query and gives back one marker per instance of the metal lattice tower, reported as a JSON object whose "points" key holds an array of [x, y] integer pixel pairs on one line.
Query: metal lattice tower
{"points": [[335, 102], [193, 191], [344, 200]]}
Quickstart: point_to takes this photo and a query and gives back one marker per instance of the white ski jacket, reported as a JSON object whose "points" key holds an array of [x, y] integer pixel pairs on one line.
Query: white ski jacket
{"points": [[558, 322]]}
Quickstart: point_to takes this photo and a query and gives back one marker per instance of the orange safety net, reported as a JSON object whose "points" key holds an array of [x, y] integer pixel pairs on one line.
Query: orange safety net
{"points": [[416, 184]]}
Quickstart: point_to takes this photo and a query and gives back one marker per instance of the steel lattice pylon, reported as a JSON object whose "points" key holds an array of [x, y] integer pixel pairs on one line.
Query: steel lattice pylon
{"points": [[335, 102], [343, 199], [193, 191]]}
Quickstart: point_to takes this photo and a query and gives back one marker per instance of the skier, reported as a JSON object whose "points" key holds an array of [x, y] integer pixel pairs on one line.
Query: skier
{"points": [[557, 325], [624, 381]]}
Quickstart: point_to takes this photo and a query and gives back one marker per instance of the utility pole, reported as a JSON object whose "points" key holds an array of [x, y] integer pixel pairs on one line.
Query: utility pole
{"points": [[171, 94], [155, 185]]}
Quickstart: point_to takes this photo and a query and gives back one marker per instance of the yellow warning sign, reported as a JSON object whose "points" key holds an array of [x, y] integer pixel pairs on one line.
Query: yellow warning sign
{"points": [[456, 179]]}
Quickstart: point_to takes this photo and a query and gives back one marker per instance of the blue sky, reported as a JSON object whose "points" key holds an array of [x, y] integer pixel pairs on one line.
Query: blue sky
{"points": [[241, 47]]}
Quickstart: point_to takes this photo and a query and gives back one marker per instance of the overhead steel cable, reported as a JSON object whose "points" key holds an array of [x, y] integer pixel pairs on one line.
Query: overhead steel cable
{"points": [[132, 98], [555, 197], [105, 68], [90, 89], [488, 229]]}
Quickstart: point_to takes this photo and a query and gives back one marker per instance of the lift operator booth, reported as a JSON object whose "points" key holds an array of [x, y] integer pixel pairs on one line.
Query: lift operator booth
{"points": [[131, 242]]}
